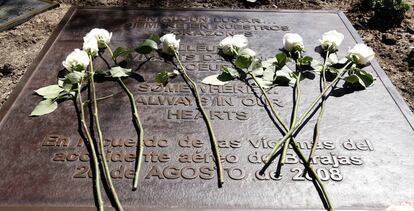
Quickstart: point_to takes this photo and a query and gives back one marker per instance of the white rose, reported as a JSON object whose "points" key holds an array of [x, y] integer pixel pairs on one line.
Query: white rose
{"points": [[361, 54], [331, 40], [240, 41], [78, 60], [176, 72], [226, 45], [169, 44], [102, 36], [248, 52], [293, 42], [90, 46], [232, 44]]}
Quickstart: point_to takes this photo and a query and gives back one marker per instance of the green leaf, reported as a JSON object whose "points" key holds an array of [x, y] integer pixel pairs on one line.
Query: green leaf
{"points": [[102, 72], [225, 77], [352, 79], [147, 47], [242, 62], [354, 58], [124, 52], [231, 71], [244, 58], [117, 72], [217, 79], [44, 107], [155, 38], [48, 92], [255, 67], [332, 70], [306, 60], [281, 59], [284, 76], [360, 78], [67, 86], [162, 78], [366, 78], [405, 6], [74, 77]]}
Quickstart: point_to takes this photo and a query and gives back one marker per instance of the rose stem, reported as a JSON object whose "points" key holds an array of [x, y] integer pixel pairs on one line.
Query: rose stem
{"points": [[99, 99], [322, 109], [309, 109], [137, 120], [110, 52], [294, 110], [100, 137], [215, 148], [294, 144], [97, 173]]}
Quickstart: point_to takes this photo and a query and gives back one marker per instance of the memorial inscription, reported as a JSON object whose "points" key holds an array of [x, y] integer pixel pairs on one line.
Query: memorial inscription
{"points": [[67, 151], [364, 159]]}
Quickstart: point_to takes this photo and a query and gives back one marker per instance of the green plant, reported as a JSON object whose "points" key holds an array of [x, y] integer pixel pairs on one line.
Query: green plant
{"points": [[389, 10]]}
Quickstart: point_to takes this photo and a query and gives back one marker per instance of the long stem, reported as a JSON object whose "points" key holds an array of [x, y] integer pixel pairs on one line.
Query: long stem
{"points": [[215, 149], [322, 110], [314, 175], [97, 173], [110, 52], [101, 98], [137, 121], [310, 108], [295, 146], [294, 115], [107, 173], [272, 108]]}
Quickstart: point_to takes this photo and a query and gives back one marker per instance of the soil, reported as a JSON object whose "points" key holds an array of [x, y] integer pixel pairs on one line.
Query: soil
{"points": [[20, 45]]}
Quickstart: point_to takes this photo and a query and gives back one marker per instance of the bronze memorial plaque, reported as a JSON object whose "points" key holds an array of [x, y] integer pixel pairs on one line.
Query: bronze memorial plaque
{"points": [[365, 156]]}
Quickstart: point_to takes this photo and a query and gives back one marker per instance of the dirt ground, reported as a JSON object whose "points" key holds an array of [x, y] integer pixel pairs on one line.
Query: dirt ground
{"points": [[20, 45]]}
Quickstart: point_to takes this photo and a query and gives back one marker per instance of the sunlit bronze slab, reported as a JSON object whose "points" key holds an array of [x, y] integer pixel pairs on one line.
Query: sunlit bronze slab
{"points": [[367, 137], [15, 12]]}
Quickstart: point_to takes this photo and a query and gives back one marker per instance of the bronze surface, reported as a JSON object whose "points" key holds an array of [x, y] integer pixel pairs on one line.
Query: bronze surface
{"points": [[367, 136]]}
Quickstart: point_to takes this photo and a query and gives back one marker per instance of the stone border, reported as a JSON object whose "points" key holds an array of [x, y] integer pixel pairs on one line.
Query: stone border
{"points": [[24, 18]]}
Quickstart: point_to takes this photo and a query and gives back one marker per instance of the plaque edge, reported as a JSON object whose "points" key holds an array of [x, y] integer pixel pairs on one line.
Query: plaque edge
{"points": [[26, 17], [382, 76], [206, 9], [4, 110], [44, 208]]}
